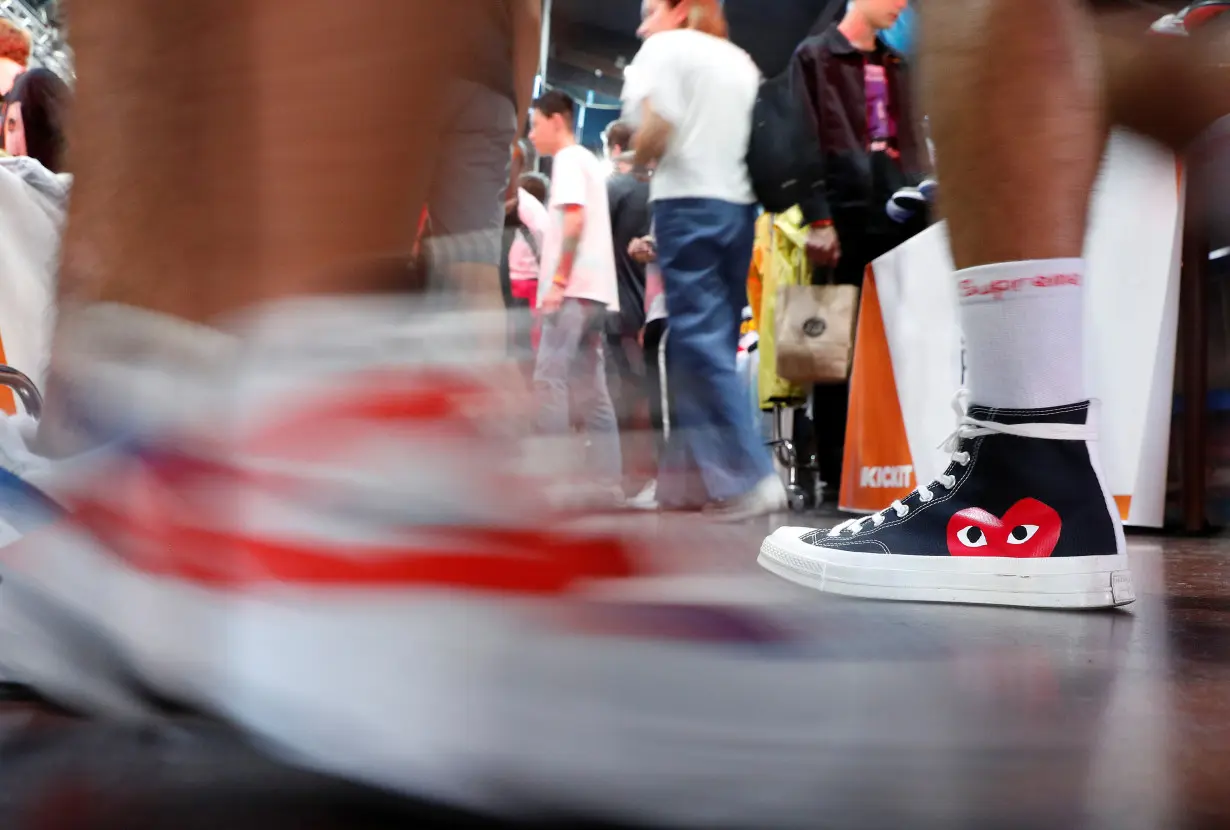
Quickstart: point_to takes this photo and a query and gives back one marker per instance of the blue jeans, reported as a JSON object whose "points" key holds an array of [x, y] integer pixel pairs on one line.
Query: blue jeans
{"points": [[714, 452], [571, 367]]}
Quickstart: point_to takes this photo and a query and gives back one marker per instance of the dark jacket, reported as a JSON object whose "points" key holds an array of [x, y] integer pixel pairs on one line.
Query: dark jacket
{"points": [[833, 75], [628, 196]]}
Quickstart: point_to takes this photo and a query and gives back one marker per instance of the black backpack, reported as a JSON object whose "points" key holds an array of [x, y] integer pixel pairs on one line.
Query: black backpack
{"points": [[783, 155]]}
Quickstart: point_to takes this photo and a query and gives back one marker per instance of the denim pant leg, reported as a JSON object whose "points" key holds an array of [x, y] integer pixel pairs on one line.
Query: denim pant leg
{"points": [[592, 394], [557, 353], [738, 262], [570, 360], [700, 249]]}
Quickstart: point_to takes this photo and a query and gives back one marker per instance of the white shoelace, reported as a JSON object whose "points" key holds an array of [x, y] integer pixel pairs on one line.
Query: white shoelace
{"points": [[967, 428]]}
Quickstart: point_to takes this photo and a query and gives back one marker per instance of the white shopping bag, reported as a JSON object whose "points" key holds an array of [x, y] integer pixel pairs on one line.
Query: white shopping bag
{"points": [[1131, 319]]}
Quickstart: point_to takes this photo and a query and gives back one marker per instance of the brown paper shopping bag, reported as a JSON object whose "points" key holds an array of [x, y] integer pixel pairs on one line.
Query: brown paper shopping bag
{"points": [[815, 332]]}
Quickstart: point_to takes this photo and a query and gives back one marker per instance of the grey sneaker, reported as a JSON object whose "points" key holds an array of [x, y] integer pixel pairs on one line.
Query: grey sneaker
{"points": [[766, 498]]}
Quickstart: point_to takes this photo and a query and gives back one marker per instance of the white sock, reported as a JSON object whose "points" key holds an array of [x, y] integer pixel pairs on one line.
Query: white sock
{"points": [[1024, 338]]}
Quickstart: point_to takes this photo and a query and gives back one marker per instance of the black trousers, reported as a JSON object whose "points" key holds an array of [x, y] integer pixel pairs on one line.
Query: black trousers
{"points": [[863, 240], [652, 345], [627, 382]]}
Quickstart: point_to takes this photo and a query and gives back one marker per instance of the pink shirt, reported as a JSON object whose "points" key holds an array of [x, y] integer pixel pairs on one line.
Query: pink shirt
{"points": [[523, 266]]}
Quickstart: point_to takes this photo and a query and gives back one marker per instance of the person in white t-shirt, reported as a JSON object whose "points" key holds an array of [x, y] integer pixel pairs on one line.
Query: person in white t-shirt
{"points": [[691, 92], [576, 288]]}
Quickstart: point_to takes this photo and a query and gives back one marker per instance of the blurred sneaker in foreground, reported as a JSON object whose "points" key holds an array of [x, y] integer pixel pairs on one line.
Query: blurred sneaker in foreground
{"points": [[318, 529], [363, 451]]}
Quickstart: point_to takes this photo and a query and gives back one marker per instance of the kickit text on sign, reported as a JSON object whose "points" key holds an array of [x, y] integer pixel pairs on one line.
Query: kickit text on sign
{"points": [[885, 478]]}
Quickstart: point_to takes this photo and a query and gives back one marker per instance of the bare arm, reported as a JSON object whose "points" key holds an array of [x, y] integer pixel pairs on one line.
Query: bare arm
{"points": [[574, 226], [652, 138], [527, 34]]}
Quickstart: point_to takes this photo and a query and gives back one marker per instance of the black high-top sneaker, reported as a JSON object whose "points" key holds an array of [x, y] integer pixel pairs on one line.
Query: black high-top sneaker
{"points": [[1021, 517]]}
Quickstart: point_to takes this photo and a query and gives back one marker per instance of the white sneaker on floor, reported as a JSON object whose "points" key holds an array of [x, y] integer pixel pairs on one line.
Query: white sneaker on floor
{"points": [[765, 499], [647, 499], [1021, 517]]}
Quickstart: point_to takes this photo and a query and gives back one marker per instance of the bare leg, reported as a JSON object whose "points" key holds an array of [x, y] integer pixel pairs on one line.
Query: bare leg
{"points": [[1017, 150], [1168, 88], [232, 153], [159, 83], [1017, 167], [229, 153]]}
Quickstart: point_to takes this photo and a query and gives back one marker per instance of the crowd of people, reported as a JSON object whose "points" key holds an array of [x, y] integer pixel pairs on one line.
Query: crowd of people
{"points": [[624, 280], [676, 195]]}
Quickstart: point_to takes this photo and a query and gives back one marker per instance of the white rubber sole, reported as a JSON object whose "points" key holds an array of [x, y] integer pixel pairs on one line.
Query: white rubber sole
{"points": [[1069, 582]]}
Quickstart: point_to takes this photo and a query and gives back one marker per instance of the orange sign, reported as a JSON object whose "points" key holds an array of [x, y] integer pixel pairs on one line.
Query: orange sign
{"points": [[878, 467]]}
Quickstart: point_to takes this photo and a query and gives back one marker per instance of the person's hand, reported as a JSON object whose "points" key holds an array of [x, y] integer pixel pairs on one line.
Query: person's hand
{"points": [[823, 246], [554, 299], [642, 250]]}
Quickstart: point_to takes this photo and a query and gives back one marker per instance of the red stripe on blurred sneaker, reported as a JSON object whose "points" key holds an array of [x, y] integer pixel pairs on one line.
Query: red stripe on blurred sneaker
{"points": [[424, 396], [481, 559]]}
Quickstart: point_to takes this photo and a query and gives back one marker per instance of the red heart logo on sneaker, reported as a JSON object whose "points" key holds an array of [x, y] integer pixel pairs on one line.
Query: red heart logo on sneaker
{"points": [[1029, 530]]}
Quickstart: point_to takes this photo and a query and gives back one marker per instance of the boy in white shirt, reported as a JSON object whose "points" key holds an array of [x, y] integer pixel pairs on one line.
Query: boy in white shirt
{"points": [[576, 288]]}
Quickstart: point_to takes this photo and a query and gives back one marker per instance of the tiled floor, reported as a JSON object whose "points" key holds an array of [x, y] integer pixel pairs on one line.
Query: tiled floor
{"points": [[946, 717]]}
